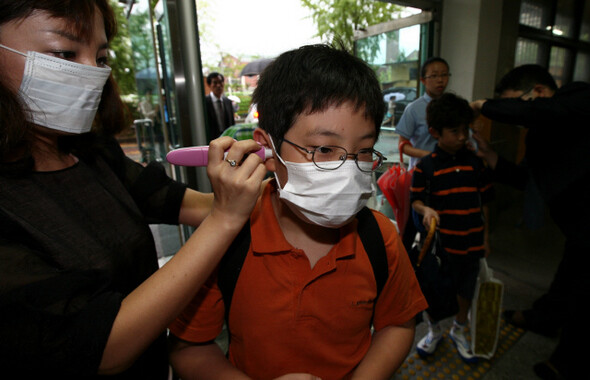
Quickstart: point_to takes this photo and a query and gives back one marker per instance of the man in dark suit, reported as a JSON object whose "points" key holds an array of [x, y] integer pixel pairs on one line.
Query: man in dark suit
{"points": [[220, 111]]}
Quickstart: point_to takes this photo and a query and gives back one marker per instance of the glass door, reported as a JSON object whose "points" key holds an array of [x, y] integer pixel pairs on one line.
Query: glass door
{"points": [[395, 49]]}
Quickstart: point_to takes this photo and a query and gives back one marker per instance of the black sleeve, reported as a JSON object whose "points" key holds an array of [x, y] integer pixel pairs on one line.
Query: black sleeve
{"points": [[509, 173], [567, 108], [486, 188], [158, 196], [51, 321], [536, 113]]}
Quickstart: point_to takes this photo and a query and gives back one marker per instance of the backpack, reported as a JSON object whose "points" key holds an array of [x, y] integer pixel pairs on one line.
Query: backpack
{"points": [[233, 260]]}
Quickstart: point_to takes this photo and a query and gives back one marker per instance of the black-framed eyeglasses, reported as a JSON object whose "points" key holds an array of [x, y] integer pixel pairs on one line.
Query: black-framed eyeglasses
{"points": [[436, 76], [331, 157]]}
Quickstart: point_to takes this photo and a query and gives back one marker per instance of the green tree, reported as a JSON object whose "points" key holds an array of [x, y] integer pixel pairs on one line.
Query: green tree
{"points": [[121, 60], [206, 18], [337, 20], [141, 40]]}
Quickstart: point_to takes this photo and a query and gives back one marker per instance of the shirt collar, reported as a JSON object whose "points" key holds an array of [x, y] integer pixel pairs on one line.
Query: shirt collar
{"points": [[265, 224], [444, 155]]}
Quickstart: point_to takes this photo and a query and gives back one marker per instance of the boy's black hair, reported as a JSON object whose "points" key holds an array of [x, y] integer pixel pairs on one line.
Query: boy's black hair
{"points": [[310, 79], [214, 75], [430, 61], [524, 78], [448, 111]]}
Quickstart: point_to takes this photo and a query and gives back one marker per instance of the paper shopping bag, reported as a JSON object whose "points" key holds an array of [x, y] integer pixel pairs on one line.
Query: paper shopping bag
{"points": [[486, 312]]}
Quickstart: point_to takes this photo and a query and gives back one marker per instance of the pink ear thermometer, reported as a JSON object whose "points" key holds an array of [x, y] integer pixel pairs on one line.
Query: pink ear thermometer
{"points": [[197, 155]]}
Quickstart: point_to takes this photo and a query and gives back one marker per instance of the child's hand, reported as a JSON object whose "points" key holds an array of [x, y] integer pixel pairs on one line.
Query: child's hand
{"points": [[484, 150], [429, 214]]}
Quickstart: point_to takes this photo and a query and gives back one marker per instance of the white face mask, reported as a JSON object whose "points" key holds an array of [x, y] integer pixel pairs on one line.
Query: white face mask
{"points": [[328, 198], [60, 94]]}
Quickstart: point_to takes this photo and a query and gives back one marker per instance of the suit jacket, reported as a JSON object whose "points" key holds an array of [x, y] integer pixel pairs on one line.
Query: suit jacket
{"points": [[228, 116]]}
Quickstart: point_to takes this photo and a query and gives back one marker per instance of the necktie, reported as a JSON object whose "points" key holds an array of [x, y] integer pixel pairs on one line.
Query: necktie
{"points": [[219, 112]]}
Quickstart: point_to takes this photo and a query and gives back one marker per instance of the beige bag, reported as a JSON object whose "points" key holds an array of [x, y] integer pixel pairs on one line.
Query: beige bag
{"points": [[486, 312]]}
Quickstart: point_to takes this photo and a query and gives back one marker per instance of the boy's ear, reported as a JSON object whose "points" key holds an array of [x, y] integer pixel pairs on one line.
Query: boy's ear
{"points": [[433, 132], [260, 136]]}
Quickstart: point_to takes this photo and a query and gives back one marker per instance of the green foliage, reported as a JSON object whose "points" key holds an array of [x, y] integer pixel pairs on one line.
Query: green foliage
{"points": [[141, 40], [121, 60], [206, 18], [245, 100], [337, 20]]}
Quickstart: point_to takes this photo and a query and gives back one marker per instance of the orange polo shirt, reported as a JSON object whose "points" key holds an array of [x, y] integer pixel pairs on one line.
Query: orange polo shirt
{"points": [[287, 317]]}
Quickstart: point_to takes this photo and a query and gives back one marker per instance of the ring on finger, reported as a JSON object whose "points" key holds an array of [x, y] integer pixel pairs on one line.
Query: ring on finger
{"points": [[232, 163]]}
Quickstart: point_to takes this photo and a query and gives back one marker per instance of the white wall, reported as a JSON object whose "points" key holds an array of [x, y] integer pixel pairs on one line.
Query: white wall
{"points": [[470, 42]]}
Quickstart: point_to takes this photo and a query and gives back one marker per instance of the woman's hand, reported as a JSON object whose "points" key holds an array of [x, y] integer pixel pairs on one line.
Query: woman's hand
{"points": [[476, 106], [236, 187], [484, 150]]}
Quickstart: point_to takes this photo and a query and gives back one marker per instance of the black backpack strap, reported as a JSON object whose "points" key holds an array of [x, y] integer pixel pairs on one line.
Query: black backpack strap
{"points": [[232, 262], [231, 265], [372, 239]]}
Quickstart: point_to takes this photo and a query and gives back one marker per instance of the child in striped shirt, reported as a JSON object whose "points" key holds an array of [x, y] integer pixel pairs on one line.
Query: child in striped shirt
{"points": [[452, 185]]}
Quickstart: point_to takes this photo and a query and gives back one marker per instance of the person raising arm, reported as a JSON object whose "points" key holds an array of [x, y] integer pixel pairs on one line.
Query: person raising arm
{"points": [[80, 290]]}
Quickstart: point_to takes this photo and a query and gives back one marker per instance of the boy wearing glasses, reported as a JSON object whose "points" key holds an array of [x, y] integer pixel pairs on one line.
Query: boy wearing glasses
{"points": [[415, 141], [306, 297], [414, 138]]}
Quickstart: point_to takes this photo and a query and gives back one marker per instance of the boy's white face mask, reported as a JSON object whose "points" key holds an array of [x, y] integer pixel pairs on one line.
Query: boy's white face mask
{"points": [[60, 94], [328, 198]]}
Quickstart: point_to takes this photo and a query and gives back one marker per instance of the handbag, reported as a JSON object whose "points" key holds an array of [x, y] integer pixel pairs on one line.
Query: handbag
{"points": [[486, 312], [433, 271]]}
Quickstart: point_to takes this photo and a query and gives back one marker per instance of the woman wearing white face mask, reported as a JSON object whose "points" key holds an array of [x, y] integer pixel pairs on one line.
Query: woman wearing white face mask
{"points": [[80, 293]]}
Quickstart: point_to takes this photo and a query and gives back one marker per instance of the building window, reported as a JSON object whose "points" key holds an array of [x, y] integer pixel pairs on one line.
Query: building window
{"points": [[564, 19], [527, 51], [560, 62], [535, 14], [555, 34], [585, 28], [582, 68]]}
